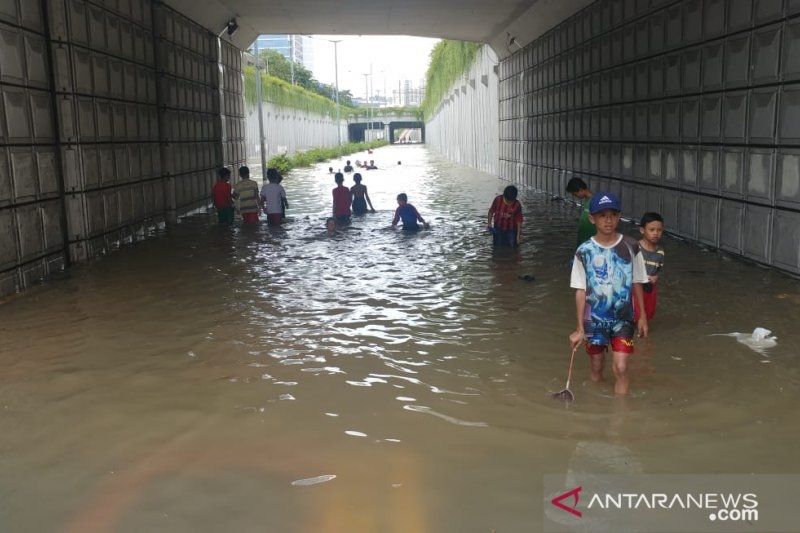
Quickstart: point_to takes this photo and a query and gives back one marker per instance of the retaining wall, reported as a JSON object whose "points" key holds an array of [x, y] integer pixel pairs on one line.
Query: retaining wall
{"points": [[288, 130], [464, 127]]}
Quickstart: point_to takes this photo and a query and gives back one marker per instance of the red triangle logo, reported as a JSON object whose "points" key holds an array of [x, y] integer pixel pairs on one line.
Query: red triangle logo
{"points": [[575, 495]]}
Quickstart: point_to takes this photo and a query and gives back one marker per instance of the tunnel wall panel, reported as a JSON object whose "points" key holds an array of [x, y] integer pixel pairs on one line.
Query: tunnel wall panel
{"points": [[688, 107], [31, 240], [232, 113], [188, 73]]}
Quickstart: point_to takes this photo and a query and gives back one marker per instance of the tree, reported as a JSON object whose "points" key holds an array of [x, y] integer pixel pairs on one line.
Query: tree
{"points": [[280, 67], [277, 65]]}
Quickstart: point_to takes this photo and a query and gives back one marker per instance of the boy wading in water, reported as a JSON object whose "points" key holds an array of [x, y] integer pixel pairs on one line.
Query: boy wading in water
{"points": [[608, 273], [246, 191], [273, 197], [342, 198], [506, 213], [580, 191], [408, 214], [652, 228], [360, 196], [223, 197]]}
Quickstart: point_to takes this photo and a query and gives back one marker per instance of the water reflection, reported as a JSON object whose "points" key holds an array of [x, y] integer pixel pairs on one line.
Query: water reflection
{"points": [[228, 360]]}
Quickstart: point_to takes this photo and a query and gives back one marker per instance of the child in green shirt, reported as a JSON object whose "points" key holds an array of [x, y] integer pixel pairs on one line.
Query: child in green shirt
{"points": [[579, 190]]}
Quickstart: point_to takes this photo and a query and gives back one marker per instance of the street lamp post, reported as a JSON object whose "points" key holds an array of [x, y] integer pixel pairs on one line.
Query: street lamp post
{"points": [[336, 74], [372, 90], [366, 96]]}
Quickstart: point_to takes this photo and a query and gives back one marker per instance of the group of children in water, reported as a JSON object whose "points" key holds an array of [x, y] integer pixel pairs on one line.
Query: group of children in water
{"points": [[614, 276], [271, 199]]}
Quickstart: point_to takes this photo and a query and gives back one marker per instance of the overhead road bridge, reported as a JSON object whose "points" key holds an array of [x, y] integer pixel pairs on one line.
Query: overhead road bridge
{"points": [[378, 123]]}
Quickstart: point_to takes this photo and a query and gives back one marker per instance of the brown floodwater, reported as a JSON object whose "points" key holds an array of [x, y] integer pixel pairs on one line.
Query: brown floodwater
{"points": [[258, 379]]}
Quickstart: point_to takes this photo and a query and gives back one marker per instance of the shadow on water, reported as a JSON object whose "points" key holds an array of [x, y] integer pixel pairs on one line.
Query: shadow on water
{"points": [[376, 380]]}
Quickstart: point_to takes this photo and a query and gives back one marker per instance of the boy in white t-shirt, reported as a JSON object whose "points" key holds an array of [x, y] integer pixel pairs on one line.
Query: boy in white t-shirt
{"points": [[608, 273], [273, 196]]}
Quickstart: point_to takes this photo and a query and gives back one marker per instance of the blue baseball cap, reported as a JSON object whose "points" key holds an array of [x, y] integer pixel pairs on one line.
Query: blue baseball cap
{"points": [[604, 200]]}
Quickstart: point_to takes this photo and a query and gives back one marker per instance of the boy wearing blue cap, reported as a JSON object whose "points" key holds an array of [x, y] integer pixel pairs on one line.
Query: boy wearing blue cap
{"points": [[608, 273]]}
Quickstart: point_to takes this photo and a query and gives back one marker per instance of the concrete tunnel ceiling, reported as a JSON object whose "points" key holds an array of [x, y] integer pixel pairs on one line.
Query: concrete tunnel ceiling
{"points": [[494, 22]]}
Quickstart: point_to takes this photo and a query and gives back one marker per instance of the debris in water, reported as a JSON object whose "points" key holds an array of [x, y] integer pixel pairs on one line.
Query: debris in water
{"points": [[313, 480], [759, 341]]}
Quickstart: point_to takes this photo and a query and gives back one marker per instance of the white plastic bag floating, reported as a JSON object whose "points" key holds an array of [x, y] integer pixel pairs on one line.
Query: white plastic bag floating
{"points": [[759, 341]]}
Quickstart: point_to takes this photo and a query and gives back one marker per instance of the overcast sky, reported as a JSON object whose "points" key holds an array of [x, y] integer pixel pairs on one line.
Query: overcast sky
{"points": [[393, 59]]}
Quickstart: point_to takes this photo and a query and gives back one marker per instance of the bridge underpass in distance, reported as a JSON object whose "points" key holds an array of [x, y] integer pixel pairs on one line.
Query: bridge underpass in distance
{"points": [[381, 125]]}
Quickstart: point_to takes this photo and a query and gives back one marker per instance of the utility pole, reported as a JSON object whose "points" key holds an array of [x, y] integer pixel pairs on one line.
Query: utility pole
{"points": [[291, 56], [372, 87], [262, 144], [366, 96], [336, 67]]}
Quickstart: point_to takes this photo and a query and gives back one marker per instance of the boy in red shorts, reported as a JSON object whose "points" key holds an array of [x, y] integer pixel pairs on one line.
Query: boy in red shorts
{"points": [[608, 273], [652, 228], [246, 191]]}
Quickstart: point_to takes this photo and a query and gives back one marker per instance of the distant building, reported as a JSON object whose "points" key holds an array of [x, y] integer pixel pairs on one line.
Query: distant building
{"points": [[409, 95], [297, 48]]}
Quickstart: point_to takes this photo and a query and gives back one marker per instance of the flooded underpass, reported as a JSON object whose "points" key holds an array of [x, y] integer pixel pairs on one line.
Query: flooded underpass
{"points": [[262, 379]]}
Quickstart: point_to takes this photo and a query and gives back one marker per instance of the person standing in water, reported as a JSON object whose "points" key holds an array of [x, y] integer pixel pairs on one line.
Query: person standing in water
{"points": [[223, 196], [652, 228], [505, 218], [408, 213], [360, 197], [273, 197], [246, 192], [580, 191], [342, 198], [607, 275]]}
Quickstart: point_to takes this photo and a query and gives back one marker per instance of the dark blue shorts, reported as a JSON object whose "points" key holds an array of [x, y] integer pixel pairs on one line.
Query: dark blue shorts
{"points": [[504, 237], [618, 334], [359, 206]]}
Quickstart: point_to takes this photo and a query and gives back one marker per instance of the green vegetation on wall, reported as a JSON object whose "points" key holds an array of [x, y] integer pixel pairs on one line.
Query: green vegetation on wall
{"points": [[284, 163], [449, 60], [284, 94]]}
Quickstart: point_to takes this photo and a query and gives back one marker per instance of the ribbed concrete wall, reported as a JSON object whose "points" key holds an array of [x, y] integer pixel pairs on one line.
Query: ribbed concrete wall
{"points": [[31, 236], [188, 84], [690, 108], [109, 125], [464, 128], [232, 99], [288, 130]]}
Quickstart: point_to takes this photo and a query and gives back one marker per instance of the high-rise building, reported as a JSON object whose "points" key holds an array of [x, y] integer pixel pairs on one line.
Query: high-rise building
{"points": [[297, 48], [410, 95]]}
